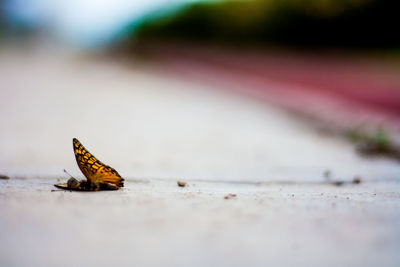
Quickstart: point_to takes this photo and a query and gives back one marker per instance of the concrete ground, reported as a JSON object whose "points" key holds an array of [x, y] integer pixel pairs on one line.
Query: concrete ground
{"points": [[156, 223], [156, 129]]}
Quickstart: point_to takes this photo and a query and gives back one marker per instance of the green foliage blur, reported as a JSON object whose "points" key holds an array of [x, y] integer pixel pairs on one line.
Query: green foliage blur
{"points": [[301, 23]]}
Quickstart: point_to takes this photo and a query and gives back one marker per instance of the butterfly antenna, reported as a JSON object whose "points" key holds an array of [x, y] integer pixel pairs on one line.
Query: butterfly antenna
{"points": [[69, 174]]}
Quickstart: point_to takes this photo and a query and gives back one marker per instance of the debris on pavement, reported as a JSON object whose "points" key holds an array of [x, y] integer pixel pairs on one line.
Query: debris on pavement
{"points": [[4, 177], [181, 183], [338, 183], [229, 196]]}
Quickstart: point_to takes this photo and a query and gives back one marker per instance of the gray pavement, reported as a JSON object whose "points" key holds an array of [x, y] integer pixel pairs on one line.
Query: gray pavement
{"points": [[155, 130], [156, 223]]}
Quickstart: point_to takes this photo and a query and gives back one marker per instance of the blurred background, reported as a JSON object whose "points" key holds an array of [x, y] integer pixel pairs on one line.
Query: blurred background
{"points": [[233, 90]]}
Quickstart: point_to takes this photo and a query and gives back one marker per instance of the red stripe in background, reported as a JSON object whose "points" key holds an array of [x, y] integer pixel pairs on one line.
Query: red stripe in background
{"points": [[334, 85]]}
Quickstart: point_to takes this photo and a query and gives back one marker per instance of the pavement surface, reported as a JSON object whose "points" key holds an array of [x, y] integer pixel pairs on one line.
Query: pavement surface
{"points": [[155, 129], [156, 223]]}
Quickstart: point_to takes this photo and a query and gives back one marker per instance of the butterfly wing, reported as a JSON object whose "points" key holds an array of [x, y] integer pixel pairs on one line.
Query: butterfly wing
{"points": [[93, 169]]}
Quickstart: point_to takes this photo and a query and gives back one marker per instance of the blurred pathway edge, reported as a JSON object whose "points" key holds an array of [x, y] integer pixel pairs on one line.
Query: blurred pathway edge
{"points": [[356, 95]]}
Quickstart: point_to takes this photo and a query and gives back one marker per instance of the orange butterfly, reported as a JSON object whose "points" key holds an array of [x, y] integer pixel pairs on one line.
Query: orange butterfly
{"points": [[98, 175]]}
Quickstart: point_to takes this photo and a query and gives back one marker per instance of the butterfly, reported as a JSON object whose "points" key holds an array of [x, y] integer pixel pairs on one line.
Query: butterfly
{"points": [[98, 175]]}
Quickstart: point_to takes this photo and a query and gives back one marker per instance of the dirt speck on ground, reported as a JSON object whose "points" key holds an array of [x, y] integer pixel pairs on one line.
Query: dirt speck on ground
{"points": [[4, 177], [181, 183], [229, 196]]}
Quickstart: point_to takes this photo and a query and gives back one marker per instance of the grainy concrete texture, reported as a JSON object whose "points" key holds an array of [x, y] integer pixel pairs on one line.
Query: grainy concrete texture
{"points": [[157, 223], [156, 130]]}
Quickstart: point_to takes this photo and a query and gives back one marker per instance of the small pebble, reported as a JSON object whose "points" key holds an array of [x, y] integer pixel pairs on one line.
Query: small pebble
{"points": [[4, 177], [182, 183]]}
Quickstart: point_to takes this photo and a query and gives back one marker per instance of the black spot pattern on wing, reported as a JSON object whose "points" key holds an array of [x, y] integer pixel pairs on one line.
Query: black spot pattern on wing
{"points": [[93, 169]]}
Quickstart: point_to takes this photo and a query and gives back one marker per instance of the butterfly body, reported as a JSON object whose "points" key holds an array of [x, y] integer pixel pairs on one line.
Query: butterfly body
{"points": [[99, 176]]}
